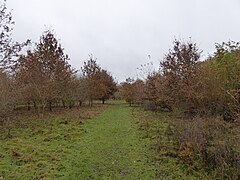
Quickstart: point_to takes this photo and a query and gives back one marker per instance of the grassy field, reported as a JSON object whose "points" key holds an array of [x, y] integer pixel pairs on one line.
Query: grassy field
{"points": [[74, 145], [111, 141]]}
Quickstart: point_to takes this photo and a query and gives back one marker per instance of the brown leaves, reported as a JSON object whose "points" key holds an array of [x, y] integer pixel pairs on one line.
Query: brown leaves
{"points": [[100, 83]]}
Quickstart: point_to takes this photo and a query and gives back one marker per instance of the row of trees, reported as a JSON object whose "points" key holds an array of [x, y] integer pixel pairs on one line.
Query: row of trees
{"points": [[199, 93], [42, 76], [193, 86]]}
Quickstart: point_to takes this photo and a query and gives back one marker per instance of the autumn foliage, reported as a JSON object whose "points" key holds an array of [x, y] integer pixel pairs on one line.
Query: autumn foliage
{"points": [[99, 83], [202, 98], [41, 77], [187, 83], [205, 93]]}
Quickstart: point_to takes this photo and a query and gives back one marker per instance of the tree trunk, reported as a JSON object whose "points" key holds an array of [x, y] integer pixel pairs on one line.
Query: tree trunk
{"points": [[44, 104], [90, 102], [28, 106], [70, 105], [34, 105], [50, 106], [103, 101], [9, 133], [80, 103], [63, 102]]}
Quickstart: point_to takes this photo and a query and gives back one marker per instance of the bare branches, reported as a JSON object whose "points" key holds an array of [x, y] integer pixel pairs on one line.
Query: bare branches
{"points": [[8, 48]]}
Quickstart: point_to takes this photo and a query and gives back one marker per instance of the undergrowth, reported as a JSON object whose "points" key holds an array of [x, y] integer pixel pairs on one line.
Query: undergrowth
{"points": [[199, 148]]}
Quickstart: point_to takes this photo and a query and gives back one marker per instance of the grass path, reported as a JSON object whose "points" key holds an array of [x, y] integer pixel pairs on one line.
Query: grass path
{"points": [[108, 146], [111, 148]]}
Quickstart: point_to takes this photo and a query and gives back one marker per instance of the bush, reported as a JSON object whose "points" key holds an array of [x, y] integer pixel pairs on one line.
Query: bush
{"points": [[211, 144]]}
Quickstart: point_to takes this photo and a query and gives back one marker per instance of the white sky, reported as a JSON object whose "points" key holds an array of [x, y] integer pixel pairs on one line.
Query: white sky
{"points": [[122, 33]]}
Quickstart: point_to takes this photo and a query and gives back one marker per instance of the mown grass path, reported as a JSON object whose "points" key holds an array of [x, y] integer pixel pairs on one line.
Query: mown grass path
{"points": [[72, 146], [102, 142], [111, 148]]}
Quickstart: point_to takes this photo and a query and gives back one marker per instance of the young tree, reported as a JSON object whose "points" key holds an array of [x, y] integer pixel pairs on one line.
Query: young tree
{"points": [[81, 93], [154, 97], [151, 87], [91, 73], [100, 84], [29, 78], [45, 72], [107, 85], [132, 91], [55, 68], [127, 90], [179, 68]]}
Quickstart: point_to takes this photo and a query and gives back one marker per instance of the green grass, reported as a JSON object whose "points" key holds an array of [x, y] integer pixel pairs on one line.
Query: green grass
{"points": [[67, 147], [159, 128]]}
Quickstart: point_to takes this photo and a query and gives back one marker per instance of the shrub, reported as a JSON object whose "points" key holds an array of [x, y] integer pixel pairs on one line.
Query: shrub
{"points": [[211, 144]]}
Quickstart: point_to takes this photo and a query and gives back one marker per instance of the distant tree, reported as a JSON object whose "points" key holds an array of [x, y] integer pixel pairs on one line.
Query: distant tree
{"points": [[91, 71], [107, 85], [118, 94], [81, 93], [151, 87], [100, 84], [128, 90], [138, 87], [132, 91], [153, 91]]}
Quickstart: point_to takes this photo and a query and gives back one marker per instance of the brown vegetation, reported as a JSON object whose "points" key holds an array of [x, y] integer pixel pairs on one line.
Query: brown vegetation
{"points": [[206, 97], [197, 88], [42, 77], [205, 94]]}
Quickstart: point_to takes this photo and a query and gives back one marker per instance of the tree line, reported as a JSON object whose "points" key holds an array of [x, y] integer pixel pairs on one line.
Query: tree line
{"points": [[200, 101], [39, 75], [186, 82]]}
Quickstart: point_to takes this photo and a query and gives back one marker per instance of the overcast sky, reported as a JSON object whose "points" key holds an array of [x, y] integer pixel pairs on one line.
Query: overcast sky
{"points": [[122, 33]]}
